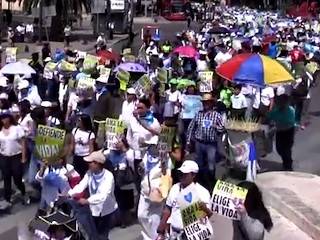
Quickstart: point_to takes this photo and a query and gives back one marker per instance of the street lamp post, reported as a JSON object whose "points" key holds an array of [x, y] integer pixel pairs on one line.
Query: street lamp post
{"points": [[40, 21]]}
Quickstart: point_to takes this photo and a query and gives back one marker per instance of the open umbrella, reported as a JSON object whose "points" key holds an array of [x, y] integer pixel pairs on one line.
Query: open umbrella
{"points": [[186, 51], [130, 67], [254, 69], [105, 55], [218, 30], [17, 68]]}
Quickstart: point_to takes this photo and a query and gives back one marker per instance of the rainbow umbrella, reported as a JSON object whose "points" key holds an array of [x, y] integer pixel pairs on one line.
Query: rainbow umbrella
{"points": [[254, 69]]}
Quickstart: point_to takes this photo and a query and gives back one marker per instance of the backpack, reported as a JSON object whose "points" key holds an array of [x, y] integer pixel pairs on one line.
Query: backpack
{"points": [[95, 146], [302, 89]]}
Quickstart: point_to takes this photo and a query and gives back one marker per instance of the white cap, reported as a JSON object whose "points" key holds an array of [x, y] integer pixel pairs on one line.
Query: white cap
{"points": [[203, 52], [3, 81], [131, 91], [47, 59], [46, 104], [4, 96], [189, 166], [23, 84]]}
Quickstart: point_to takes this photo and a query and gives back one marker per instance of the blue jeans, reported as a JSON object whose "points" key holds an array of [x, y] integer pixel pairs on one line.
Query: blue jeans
{"points": [[206, 159], [34, 164]]}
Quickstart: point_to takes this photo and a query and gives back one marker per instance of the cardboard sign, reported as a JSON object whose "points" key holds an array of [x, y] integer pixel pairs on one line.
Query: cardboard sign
{"points": [[162, 75], [196, 225], [114, 130], [86, 82], [104, 74], [225, 198], [205, 84], [124, 78], [143, 85], [191, 106], [11, 54], [49, 142], [166, 137]]}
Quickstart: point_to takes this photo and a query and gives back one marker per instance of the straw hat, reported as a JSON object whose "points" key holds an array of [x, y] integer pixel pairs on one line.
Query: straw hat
{"points": [[207, 97]]}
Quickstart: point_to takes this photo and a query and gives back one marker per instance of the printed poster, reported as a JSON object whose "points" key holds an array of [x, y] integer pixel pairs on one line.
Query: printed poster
{"points": [[205, 84], [49, 70], [49, 142], [104, 74], [114, 130], [225, 198], [67, 67], [196, 225], [142, 85], [166, 137], [11, 54], [90, 62], [162, 75], [191, 106], [86, 82], [123, 77]]}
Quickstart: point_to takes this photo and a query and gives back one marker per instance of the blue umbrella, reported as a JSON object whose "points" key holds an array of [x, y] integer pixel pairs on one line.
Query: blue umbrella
{"points": [[130, 67]]}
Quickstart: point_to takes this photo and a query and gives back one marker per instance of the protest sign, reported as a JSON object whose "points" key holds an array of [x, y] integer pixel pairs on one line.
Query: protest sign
{"points": [[205, 84], [114, 130], [142, 85], [67, 67], [191, 106], [126, 51], [49, 142], [104, 74], [166, 137], [196, 225], [11, 54], [226, 197], [123, 77], [49, 69], [129, 58], [86, 82], [162, 75]]}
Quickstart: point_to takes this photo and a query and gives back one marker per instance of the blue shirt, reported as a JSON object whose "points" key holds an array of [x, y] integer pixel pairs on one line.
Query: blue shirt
{"points": [[273, 50], [284, 119]]}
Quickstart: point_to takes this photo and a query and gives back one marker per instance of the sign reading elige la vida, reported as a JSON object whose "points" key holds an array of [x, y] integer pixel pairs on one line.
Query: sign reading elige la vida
{"points": [[226, 197]]}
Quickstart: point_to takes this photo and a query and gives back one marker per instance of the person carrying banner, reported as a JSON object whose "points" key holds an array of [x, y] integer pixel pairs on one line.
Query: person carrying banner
{"points": [[172, 211]]}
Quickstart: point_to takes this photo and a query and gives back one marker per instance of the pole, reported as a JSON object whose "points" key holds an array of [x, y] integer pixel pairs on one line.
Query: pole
{"points": [[40, 20], [98, 24]]}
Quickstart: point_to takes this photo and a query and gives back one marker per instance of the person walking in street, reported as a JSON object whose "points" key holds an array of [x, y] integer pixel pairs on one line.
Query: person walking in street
{"points": [[203, 130], [284, 117]]}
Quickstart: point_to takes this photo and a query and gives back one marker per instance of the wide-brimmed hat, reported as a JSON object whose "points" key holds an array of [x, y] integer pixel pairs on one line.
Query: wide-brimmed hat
{"points": [[207, 97], [96, 156]]}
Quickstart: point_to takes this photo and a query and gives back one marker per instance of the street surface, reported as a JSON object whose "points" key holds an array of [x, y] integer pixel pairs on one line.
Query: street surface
{"points": [[306, 155]]}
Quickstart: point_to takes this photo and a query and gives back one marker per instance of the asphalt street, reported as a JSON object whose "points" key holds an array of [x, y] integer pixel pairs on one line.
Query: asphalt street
{"points": [[306, 152]]}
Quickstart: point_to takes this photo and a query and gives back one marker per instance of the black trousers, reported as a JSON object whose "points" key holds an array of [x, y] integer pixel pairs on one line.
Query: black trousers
{"points": [[284, 144], [12, 167], [103, 226], [80, 165]]}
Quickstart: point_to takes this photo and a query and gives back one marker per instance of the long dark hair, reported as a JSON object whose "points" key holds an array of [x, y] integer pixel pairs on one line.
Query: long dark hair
{"points": [[255, 206], [86, 122]]}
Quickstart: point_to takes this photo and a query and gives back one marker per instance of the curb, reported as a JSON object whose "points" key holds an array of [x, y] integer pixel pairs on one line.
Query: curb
{"points": [[287, 203]]}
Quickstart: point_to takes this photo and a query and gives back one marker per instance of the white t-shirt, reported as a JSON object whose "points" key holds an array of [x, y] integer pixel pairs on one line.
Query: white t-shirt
{"points": [[255, 41], [202, 65], [10, 144], [127, 111], [175, 218], [174, 97], [267, 94], [238, 101], [81, 142], [27, 124]]}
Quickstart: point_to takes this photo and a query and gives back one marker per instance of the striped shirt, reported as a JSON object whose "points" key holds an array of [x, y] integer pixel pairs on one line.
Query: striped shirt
{"points": [[205, 126]]}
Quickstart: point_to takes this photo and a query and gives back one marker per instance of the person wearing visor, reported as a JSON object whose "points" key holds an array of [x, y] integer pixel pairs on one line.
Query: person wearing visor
{"points": [[172, 211], [101, 200]]}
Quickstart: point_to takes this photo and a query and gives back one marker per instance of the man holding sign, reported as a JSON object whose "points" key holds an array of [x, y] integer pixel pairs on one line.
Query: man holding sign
{"points": [[193, 222]]}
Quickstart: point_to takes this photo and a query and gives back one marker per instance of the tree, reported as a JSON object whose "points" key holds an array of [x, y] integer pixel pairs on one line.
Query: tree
{"points": [[66, 11]]}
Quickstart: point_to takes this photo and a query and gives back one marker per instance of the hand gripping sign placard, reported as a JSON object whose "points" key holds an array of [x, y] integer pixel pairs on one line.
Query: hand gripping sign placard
{"points": [[196, 224], [226, 197], [114, 130], [49, 143]]}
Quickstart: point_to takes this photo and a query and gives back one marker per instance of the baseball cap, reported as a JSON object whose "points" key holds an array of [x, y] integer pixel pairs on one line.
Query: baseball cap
{"points": [[131, 91], [189, 166], [96, 156]]}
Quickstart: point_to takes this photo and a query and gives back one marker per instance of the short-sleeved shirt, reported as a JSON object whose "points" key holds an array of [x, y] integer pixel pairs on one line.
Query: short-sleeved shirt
{"points": [[172, 202], [10, 144], [238, 101], [267, 94], [82, 140]]}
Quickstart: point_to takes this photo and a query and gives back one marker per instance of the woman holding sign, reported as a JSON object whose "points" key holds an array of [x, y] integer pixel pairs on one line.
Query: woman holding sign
{"points": [[254, 215]]}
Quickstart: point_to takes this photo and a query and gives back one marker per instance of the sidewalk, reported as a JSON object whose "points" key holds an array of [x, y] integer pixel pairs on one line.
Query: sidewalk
{"points": [[296, 196]]}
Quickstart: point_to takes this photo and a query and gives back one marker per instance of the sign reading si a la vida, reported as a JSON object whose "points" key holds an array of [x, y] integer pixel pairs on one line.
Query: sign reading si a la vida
{"points": [[49, 142], [196, 225], [226, 197]]}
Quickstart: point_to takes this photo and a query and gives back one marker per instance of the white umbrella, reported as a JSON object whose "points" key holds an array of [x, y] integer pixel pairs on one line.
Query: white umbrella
{"points": [[17, 68]]}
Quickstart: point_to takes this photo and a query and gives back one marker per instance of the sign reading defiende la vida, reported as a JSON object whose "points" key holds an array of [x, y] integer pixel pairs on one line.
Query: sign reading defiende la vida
{"points": [[226, 197], [114, 130], [196, 225], [49, 142]]}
